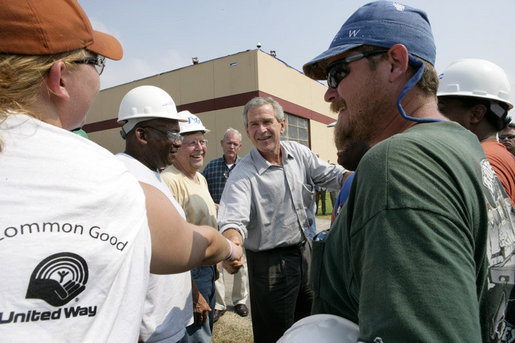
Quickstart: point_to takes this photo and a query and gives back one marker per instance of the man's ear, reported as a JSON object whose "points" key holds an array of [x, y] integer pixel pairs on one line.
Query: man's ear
{"points": [[283, 125], [399, 59], [55, 80], [477, 113], [141, 135]]}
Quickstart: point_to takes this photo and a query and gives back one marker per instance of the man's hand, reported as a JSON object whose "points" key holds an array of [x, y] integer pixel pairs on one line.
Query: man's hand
{"points": [[200, 306], [236, 251], [218, 270], [232, 266]]}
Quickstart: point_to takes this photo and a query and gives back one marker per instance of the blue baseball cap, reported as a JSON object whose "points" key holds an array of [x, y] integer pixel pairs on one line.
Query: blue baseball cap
{"points": [[383, 24]]}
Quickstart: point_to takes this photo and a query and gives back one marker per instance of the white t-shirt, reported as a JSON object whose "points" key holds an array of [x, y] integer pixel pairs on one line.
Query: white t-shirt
{"points": [[168, 305], [74, 238]]}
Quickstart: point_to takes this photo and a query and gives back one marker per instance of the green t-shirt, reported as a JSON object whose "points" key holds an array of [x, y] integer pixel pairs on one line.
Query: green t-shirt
{"points": [[407, 256]]}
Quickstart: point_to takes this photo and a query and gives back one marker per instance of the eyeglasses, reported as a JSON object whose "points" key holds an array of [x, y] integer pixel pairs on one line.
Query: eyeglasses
{"points": [[99, 62], [192, 144], [339, 69], [174, 136], [506, 136]]}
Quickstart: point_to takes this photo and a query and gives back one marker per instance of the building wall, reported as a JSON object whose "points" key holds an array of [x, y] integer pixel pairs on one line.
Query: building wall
{"points": [[216, 91], [300, 96]]}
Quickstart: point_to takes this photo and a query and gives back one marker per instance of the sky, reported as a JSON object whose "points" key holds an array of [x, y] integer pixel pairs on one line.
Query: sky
{"points": [[163, 35]]}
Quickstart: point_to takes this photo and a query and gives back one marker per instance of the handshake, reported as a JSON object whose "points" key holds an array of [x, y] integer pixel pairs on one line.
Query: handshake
{"points": [[234, 261]]}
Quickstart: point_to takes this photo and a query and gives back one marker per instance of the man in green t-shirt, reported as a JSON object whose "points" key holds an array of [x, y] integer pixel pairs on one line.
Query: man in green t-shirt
{"points": [[422, 249]]}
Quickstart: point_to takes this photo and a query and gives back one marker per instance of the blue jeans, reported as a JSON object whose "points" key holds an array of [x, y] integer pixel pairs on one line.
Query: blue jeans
{"points": [[204, 277]]}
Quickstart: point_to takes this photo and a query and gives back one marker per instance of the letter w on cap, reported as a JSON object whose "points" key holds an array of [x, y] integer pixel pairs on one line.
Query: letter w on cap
{"points": [[353, 33]]}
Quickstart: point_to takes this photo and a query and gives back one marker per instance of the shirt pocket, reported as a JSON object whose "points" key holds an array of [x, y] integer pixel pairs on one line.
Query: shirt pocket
{"points": [[308, 194]]}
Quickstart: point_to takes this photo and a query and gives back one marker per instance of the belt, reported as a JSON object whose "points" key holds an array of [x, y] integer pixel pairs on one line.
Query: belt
{"points": [[286, 248]]}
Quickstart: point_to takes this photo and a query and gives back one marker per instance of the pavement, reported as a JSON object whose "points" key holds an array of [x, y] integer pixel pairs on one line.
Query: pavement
{"points": [[322, 224]]}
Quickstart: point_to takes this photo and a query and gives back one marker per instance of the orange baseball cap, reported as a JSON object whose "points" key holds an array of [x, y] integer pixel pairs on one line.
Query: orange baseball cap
{"points": [[47, 27]]}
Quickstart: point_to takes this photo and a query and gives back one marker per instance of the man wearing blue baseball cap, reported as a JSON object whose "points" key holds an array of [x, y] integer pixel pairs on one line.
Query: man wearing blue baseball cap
{"points": [[412, 255]]}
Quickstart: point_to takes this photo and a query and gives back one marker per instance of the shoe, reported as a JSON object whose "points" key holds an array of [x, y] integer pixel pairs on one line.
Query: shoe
{"points": [[242, 310], [217, 315]]}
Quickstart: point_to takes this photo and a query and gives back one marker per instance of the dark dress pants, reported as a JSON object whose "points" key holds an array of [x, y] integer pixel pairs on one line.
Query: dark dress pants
{"points": [[279, 291]]}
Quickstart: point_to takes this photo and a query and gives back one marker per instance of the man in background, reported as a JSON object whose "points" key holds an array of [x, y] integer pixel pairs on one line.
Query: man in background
{"points": [[151, 131], [216, 173], [190, 190], [507, 137], [475, 93]]}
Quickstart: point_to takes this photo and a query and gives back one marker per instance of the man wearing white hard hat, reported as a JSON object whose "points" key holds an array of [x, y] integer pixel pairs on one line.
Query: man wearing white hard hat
{"points": [[190, 189], [476, 94], [151, 132]]}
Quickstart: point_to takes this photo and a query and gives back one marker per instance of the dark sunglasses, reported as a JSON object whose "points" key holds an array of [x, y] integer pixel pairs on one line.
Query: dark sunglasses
{"points": [[506, 136], [99, 62], [339, 69]]}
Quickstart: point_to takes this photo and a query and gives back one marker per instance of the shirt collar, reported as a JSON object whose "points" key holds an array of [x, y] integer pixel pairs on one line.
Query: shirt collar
{"points": [[237, 159], [262, 165]]}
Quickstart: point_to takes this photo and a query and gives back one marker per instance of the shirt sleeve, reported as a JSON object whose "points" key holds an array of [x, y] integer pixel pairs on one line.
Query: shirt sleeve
{"points": [[504, 172], [417, 280], [323, 174], [236, 197]]}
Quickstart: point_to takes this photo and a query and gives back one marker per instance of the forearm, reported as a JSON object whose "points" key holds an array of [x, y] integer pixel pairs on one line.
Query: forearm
{"points": [[178, 246], [215, 246]]}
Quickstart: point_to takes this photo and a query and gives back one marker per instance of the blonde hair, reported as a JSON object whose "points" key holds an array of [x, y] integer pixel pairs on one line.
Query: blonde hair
{"points": [[21, 77]]}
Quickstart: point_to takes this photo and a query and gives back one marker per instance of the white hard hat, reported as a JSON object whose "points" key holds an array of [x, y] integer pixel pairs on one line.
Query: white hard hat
{"points": [[146, 103], [192, 123], [475, 78], [325, 328]]}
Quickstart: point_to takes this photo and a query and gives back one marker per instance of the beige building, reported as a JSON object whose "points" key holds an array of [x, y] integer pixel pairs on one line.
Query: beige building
{"points": [[217, 90]]}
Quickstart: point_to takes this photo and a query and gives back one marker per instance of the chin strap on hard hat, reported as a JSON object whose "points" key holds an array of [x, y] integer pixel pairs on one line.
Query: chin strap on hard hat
{"points": [[410, 84]]}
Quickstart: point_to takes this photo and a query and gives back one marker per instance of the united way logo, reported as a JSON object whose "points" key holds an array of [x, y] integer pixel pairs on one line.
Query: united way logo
{"points": [[58, 279]]}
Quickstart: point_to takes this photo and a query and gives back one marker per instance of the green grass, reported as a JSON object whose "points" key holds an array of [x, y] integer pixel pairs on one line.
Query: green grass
{"points": [[328, 207]]}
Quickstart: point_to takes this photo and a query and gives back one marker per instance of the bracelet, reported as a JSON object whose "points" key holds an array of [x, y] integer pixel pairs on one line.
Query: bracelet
{"points": [[231, 255]]}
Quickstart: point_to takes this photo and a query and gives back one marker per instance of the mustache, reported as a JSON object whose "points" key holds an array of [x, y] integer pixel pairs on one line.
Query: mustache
{"points": [[338, 105]]}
